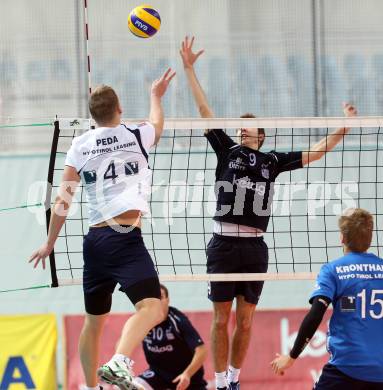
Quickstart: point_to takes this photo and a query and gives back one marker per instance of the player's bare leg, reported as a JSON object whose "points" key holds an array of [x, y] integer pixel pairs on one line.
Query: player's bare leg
{"points": [[241, 336], [118, 370], [220, 336], [148, 315], [89, 346]]}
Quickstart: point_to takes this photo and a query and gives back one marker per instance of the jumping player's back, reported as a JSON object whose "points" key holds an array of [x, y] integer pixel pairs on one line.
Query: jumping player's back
{"points": [[113, 165]]}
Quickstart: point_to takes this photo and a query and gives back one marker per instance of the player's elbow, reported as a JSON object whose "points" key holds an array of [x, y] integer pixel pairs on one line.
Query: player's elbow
{"points": [[159, 128], [312, 156], [61, 203], [61, 207], [317, 155]]}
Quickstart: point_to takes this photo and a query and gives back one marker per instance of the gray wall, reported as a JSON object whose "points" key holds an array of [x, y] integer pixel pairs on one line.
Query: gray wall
{"points": [[272, 57]]}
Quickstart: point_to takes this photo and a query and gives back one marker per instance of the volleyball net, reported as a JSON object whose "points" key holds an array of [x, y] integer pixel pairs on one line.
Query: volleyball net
{"points": [[302, 233]]}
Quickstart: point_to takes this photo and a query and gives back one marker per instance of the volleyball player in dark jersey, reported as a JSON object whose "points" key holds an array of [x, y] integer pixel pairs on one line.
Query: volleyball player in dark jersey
{"points": [[174, 351], [244, 180]]}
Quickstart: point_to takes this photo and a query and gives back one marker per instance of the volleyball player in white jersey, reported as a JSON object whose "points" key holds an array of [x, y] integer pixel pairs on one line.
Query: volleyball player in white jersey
{"points": [[237, 245], [112, 163]]}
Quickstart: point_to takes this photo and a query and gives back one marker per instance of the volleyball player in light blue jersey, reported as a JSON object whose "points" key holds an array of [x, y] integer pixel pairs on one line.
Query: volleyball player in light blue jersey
{"points": [[354, 286]]}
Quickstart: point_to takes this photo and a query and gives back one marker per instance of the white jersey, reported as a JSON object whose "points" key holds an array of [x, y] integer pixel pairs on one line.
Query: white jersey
{"points": [[113, 165]]}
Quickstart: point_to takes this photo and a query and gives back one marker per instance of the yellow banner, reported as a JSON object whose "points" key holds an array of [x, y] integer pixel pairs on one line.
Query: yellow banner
{"points": [[28, 352]]}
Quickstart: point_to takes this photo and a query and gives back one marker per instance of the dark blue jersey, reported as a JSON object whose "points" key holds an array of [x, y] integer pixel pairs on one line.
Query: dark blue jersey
{"points": [[169, 347], [245, 180], [354, 284]]}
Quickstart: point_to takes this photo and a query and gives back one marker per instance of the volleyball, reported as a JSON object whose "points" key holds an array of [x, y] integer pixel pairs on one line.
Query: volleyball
{"points": [[144, 21]]}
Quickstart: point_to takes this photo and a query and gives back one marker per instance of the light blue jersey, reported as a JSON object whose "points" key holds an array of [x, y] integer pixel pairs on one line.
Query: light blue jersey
{"points": [[354, 283]]}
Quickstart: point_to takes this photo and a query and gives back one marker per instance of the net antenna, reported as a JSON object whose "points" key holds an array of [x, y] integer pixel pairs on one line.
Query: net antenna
{"points": [[87, 51], [56, 135], [302, 234], [48, 196]]}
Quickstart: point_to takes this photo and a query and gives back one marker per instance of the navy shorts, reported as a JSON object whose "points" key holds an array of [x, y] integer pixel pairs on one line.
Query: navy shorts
{"points": [[236, 255], [156, 382], [334, 379], [111, 257]]}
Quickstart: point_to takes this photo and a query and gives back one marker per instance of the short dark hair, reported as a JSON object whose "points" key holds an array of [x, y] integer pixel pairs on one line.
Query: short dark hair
{"points": [[162, 287], [356, 226], [260, 129], [103, 104]]}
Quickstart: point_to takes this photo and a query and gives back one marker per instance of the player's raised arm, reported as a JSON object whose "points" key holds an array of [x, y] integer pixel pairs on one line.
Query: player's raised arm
{"points": [[156, 115], [188, 59], [328, 143], [59, 213]]}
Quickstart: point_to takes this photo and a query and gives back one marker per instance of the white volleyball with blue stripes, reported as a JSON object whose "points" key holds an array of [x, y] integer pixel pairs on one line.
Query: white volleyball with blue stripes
{"points": [[144, 21]]}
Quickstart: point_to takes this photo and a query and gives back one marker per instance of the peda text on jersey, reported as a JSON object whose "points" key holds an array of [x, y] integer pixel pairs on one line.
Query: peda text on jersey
{"points": [[106, 142]]}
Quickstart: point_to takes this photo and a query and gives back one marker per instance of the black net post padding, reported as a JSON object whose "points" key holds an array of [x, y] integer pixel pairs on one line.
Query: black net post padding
{"points": [[48, 197]]}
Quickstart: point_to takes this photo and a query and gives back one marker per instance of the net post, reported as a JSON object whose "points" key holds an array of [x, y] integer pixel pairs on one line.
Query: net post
{"points": [[48, 197]]}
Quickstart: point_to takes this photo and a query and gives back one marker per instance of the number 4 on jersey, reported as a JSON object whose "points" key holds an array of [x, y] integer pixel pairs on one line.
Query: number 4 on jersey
{"points": [[131, 168], [110, 171]]}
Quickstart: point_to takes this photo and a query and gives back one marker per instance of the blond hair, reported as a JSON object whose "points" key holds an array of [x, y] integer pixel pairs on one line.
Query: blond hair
{"points": [[103, 104], [356, 226]]}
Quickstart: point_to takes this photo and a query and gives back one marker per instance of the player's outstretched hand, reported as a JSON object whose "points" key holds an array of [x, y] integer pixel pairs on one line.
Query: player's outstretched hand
{"points": [[160, 85], [349, 110], [40, 255], [183, 381], [281, 363], [186, 52]]}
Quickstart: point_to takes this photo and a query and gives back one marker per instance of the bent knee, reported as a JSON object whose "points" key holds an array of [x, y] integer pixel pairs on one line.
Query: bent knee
{"points": [[94, 323], [153, 309]]}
